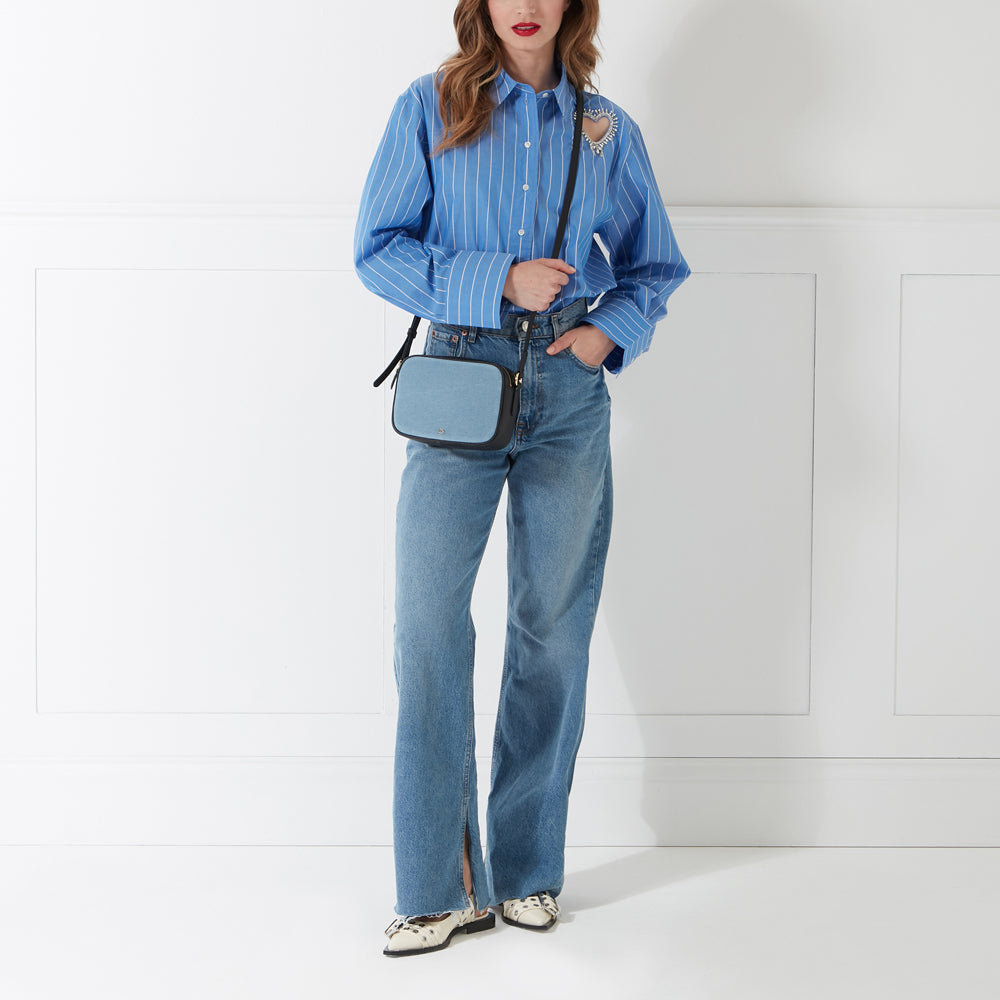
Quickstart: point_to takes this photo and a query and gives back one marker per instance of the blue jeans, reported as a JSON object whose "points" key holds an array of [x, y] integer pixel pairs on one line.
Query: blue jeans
{"points": [[557, 467]]}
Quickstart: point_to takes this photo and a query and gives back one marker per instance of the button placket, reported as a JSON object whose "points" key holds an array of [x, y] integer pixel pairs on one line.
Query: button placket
{"points": [[529, 186]]}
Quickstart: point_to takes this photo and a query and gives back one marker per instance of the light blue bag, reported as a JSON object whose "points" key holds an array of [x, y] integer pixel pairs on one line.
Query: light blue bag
{"points": [[456, 401]]}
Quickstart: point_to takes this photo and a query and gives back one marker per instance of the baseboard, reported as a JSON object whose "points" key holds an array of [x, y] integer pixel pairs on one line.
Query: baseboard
{"points": [[625, 801]]}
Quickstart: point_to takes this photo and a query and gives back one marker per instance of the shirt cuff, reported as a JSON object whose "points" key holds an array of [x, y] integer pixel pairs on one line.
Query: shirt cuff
{"points": [[620, 320], [475, 288]]}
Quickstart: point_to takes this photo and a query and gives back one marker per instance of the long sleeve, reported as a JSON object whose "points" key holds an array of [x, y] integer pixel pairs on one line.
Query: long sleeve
{"points": [[390, 254], [647, 263]]}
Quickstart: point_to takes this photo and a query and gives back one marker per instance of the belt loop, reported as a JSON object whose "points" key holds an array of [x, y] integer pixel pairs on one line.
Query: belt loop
{"points": [[558, 326], [561, 321], [470, 334]]}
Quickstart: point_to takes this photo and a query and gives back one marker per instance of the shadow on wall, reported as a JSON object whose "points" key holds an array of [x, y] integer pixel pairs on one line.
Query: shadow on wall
{"points": [[734, 94], [745, 77]]}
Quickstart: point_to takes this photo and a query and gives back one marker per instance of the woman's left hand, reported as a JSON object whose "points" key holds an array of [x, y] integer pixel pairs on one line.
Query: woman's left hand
{"points": [[588, 343]]}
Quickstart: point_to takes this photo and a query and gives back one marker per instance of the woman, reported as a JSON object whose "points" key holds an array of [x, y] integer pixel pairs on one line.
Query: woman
{"points": [[458, 214]]}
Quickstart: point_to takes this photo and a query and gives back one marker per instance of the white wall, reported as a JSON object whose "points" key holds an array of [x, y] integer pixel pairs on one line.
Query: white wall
{"points": [[851, 103], [875, 103], [197, 488]]}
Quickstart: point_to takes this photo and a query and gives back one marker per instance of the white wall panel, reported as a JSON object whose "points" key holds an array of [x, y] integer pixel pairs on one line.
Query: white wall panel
{"points": [[205, 539], [948, 643]]}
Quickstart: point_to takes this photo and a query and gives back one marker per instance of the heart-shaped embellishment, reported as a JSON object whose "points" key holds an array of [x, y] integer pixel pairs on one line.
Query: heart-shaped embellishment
{"points": [[599, 127], [596, 128]]}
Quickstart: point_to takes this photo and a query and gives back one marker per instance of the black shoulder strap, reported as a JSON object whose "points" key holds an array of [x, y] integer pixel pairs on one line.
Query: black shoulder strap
{"points": [[401, 354], [574, 163], [404, 351]]}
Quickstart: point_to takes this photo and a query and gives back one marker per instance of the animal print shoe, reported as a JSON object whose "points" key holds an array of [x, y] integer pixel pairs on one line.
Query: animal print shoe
{"points": [[533, 913], [420, 935]]}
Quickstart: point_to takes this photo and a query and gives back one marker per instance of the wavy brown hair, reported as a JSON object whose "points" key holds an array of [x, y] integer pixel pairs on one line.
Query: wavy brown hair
{"points": [[463, 81]]}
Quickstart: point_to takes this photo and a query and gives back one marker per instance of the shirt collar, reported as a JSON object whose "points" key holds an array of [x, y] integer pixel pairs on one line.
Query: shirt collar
{"points": [[505, 85]]}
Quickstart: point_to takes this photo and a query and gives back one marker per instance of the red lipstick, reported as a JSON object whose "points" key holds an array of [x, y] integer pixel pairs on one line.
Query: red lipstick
{"points": [[526, 29]]}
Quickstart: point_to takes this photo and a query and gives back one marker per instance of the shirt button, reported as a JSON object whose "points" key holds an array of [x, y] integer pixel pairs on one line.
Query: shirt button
{"points": [[524, 187], [527, 145], [520, 232], [545, 93]]}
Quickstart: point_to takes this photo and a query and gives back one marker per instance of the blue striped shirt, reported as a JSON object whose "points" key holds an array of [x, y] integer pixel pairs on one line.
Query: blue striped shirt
{"points": [[437, 234]]}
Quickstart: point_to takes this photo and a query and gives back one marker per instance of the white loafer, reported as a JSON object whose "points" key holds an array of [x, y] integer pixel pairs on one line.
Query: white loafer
{"points": [[419, 936], [533, 913]]}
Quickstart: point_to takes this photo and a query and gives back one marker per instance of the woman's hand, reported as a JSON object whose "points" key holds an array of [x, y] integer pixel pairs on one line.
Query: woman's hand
{"points": [[534, 284], [588, 343]]}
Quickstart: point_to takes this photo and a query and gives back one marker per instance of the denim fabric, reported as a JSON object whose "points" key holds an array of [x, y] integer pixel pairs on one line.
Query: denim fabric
{"points": [[557, 467], [443, 400]]}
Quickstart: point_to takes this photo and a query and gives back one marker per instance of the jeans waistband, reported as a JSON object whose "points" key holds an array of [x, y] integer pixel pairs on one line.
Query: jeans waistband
{"points": [[552, 324]]}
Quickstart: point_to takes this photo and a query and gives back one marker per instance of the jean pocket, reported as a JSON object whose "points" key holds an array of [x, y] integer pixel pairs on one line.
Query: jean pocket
{"points": [[589, 369]]}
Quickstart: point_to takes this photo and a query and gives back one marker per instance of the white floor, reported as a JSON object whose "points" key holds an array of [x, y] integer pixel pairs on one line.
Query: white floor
{"points": [[297, 923]]}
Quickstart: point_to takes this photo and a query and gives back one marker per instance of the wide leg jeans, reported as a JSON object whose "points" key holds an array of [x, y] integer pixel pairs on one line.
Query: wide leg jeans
{"points": [[557, 468]]}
